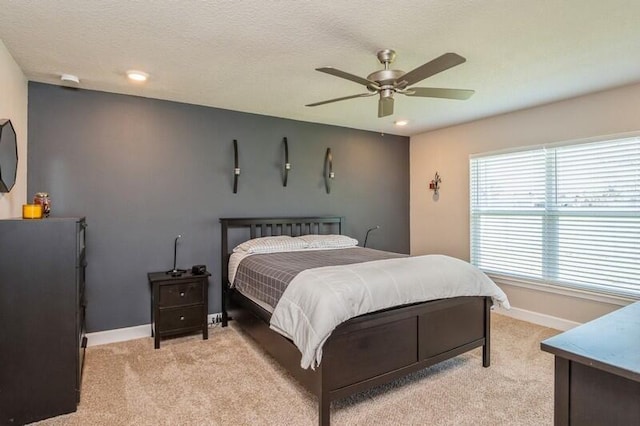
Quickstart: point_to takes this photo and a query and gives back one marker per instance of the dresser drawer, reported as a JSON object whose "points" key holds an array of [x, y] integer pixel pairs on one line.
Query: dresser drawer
{"points": [[173, 319], [185, 293]]}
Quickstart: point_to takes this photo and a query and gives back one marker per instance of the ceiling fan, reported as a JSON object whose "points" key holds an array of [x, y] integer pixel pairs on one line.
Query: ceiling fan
{"points": [[387, 82]]}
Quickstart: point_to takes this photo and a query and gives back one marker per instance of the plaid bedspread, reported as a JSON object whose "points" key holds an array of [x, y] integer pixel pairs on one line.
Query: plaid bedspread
{"points": [[265, 276]]}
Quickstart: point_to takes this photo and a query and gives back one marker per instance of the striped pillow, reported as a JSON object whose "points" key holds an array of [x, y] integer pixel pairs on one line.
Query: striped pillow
{"points": [[328, 241], [271, 245]]}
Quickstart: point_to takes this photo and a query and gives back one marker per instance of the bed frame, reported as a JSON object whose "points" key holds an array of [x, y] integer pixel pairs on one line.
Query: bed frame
{"points": [[365, 351]]}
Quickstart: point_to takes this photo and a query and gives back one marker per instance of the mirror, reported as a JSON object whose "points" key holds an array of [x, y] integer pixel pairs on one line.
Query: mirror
{"points": [[8, 155]]}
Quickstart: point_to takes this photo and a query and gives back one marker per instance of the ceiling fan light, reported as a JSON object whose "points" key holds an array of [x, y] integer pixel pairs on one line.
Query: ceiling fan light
{"points": [[137, 76]]}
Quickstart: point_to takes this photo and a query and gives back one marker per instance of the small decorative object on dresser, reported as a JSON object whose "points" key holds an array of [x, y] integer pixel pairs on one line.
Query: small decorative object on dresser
{"points": [[43, 199], [32, 211], [179, 304]]}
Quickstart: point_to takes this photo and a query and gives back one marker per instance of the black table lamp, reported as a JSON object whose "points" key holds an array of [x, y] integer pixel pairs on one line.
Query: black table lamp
{"points": [[176, 272]]}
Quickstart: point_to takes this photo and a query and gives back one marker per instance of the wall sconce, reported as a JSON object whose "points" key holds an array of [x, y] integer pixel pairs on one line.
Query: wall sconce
{"points": [[287, 165], [329, 175], [236, 167], [434, 185]]}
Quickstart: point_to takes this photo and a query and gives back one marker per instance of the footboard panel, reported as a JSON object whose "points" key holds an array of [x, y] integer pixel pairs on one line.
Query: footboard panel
{"points": [[450, 327], [355, 357]]}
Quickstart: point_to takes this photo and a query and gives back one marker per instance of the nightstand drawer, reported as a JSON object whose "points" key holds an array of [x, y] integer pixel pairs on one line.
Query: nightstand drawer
{"points": [[178, 318], [186, 293]]}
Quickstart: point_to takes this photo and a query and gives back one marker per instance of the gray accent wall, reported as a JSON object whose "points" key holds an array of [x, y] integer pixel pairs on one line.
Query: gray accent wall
{"points": [[143, 171]]}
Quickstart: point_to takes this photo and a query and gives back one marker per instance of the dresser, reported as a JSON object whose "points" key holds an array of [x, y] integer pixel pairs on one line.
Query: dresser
{"points": [[179, 304], [42, 311], [597, 371]]}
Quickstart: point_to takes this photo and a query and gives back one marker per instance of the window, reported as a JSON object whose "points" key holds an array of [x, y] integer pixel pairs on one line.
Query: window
{"points": [[567, 215]]}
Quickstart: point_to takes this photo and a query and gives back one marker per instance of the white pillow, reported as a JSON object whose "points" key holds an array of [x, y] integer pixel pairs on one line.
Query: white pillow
{"points": [[271, 245], [328, 241]]}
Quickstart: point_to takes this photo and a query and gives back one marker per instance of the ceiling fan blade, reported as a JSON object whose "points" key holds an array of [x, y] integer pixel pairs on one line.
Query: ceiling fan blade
{"points": [[342, 74], [441, 63], [385, 107], [434, 92], [361, 95]]}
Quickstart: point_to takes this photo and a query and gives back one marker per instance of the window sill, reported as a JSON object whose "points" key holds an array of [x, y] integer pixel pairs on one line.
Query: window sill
{"points": [[613, 299]]}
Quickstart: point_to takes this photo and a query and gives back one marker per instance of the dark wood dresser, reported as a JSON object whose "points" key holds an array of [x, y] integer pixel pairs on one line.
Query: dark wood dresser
{"points": [[42, 311], [179, 304], [597, 371]]}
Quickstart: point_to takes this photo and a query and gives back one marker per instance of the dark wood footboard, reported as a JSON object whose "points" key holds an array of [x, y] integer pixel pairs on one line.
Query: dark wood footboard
{"points": [[376, 348]]}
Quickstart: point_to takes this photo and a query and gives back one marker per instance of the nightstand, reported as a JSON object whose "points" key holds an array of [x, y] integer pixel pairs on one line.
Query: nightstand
{"points": [[178, 304]]}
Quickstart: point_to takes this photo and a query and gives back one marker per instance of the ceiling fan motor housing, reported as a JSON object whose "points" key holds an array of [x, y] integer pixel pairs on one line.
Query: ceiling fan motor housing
{"points": [[385, 77]]}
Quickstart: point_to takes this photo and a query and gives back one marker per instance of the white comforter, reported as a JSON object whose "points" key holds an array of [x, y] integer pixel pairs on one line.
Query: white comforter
{"points": [[318, 300]]}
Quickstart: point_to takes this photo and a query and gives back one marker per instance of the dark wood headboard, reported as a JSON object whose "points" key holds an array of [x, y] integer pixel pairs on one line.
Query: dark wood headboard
{"points": [[268, 226]]}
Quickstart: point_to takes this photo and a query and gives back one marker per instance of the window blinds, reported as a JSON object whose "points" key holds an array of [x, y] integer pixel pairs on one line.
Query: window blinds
{"points": [[567, 215]]}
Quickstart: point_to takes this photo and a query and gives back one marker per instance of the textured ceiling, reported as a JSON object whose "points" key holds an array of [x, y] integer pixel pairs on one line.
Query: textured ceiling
{"points": [[259, 56]]}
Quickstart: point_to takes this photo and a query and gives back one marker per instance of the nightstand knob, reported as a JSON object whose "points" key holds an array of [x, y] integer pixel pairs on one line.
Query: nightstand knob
{"points": [[182, 294], [182, 318]]}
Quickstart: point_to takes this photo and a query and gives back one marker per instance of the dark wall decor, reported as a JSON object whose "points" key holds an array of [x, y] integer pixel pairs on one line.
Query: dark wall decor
{"points": [[143, 171], [328, 173], [236, 167], [287, 165], [8, 155]]}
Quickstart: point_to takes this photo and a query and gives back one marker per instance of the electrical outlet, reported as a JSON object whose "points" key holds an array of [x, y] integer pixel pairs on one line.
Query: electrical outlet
{"points": [[215, 318]]}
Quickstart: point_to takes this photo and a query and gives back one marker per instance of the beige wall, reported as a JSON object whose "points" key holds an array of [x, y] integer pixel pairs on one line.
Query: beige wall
{"points": [[13, 105], [442, 226]]}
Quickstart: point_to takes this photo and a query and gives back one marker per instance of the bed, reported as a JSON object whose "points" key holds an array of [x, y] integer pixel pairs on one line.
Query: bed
{"points": [[367, 350]]}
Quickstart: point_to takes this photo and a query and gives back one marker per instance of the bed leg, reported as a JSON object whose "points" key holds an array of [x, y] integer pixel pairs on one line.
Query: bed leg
{"points": [[324, 405], [223, 302], [486, 348], [486, 355]]}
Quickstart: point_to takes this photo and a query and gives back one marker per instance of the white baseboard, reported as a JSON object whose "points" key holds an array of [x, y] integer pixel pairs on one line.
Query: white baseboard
{"points": [[118, 335], [131, 333], [538, 318]]}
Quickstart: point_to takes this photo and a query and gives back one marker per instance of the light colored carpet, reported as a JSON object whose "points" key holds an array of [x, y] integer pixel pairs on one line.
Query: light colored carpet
{"points": [[228, 380]]}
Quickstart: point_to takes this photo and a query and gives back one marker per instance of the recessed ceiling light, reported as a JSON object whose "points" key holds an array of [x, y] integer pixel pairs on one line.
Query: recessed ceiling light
{"points": [[401, 122], [138, 76]]}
